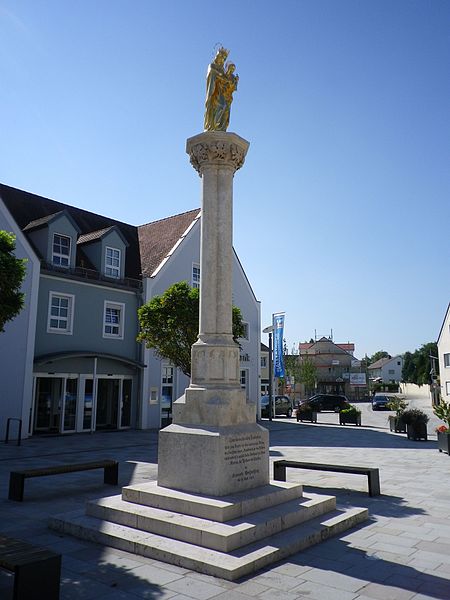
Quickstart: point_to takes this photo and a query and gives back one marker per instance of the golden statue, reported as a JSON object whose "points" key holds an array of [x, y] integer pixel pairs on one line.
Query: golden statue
{"points": [[221, 82]]}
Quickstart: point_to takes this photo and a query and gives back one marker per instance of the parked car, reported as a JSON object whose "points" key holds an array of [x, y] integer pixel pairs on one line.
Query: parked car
{"points": [[333, 402], [380, 401], [283, 406]]}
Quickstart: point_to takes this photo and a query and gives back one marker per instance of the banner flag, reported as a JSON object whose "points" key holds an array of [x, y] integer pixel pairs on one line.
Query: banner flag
{"points": [[278, 332]]}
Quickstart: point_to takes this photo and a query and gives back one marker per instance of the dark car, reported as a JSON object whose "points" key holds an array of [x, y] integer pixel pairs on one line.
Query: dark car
{"points": [[283, 406], [380, 402], [333, 402]]}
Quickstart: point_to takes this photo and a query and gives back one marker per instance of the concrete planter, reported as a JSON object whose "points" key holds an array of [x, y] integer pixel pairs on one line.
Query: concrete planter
{"points": [[310, 416], [417, 431], [443, 442], [396, 424], [349, 419]]}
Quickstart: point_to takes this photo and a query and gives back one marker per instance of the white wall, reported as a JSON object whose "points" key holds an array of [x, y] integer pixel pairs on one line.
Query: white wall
{"points": [[411, 390], [17, 341], [444, 348]]}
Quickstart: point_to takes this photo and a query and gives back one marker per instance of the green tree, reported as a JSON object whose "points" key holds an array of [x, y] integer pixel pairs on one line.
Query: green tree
{"points": [[417, 365], [169, 324], [12, 274], [308, 374]]}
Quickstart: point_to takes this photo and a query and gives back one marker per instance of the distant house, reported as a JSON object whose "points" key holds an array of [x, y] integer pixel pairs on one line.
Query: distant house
{"points": [[70, 361], [335, 368], [443, 344], [386, 370], [265, 373]]}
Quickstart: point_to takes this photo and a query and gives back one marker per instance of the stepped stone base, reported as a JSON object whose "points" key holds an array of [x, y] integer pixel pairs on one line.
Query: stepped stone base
{"points": [[226, 537]]}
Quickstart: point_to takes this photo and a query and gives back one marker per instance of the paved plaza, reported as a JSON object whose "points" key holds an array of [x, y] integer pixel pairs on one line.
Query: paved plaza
{"points": [[402, 552]]}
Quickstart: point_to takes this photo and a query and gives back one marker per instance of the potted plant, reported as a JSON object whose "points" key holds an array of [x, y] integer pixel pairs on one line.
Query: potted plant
{"points": [[442, 411], [416, 424], [350, 415], [396, 422], [305, 412]]}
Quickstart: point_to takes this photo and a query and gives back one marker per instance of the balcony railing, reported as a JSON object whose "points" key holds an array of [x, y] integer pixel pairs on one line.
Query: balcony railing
{"points": [[91, 275]]}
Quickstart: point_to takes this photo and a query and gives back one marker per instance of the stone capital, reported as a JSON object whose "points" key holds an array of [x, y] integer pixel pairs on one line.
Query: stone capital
{"points": [[216, 148]]}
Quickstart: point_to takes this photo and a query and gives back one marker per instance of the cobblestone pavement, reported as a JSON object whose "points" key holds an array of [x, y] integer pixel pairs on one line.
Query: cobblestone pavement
{"points": [[402, 553]]}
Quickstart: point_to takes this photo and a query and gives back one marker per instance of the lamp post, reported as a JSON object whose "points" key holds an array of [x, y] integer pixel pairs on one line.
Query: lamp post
{"points": [[269, 330]]}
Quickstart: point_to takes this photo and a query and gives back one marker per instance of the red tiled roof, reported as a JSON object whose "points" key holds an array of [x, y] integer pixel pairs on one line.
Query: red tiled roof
{"points": [[157, 239]]}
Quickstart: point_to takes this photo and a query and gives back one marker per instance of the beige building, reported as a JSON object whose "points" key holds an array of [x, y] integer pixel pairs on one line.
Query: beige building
{"points": [[337, 370]]}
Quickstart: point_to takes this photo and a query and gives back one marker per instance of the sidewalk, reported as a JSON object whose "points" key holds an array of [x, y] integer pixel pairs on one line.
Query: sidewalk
{"points": [[402, 553]]}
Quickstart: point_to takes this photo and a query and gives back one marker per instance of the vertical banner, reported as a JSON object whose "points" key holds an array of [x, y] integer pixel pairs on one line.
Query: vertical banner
{"points": [[278, 332]]}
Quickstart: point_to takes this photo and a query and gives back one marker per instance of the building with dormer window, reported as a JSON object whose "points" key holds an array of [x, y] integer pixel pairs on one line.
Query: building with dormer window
{"points": [[70, 361]]}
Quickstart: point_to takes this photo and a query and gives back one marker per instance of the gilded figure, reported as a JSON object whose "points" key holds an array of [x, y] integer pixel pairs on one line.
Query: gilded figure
{"points": [[221, 83]]}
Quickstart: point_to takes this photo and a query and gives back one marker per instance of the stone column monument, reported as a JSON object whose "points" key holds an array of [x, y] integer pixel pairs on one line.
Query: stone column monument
{"points": [[213, 508], [214, 445]]}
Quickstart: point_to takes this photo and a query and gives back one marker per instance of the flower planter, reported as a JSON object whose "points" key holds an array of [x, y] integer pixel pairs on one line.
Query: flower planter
{"points": [[396, 424], [310, 416], [416, 431], [349, 419], [443, 442]]}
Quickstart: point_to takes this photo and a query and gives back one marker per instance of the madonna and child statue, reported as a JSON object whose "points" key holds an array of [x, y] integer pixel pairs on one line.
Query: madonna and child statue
{"points": [[221, 82]]}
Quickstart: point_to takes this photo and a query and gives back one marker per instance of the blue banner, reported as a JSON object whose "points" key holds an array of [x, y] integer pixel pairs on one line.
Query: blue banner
{"points": [[278, 332]]}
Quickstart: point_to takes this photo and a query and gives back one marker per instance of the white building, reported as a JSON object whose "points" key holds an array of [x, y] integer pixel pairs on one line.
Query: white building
{"points": [[386, 370], [443, 345], [170, 252]]}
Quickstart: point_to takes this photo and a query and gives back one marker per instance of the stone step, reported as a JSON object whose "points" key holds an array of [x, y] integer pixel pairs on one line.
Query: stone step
{"points": [[231, 566], [220, 509], [223, 537]]}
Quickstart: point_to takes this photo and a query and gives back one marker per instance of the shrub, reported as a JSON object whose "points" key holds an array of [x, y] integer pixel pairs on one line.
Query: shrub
{"points": [[397, 404], [442, 411], [413, 416], [350, 411]]}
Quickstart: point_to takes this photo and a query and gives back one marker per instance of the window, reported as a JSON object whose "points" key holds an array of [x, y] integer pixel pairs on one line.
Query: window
{"points": [[195, 276], [245, 335], [112, 262], [113, 320], [447, 388], [263, 362], [60, 313], [446, 360], [391, 371], [243, 379], [61, 250]]}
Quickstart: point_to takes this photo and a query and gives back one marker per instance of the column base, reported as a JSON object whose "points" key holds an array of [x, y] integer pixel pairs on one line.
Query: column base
{"points": [[213, 460]]}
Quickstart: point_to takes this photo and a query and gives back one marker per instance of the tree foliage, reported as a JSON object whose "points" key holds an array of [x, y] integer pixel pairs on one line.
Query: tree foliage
{"points": [[308, 373], [12, 274], [169, 324], [417, 364], [369, 360]]}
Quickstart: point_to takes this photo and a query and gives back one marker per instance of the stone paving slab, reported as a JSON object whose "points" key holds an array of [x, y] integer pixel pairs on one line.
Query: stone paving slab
{"points": [[412, 514]]}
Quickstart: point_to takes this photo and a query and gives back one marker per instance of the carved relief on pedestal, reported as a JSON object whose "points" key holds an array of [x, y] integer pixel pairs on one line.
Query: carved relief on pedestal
{"points": [[215, 364], [221, 152]]}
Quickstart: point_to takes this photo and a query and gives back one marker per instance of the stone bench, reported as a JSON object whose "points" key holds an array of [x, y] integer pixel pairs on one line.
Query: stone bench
{"points": [[36, 570], [279, 472], [17, 478]]}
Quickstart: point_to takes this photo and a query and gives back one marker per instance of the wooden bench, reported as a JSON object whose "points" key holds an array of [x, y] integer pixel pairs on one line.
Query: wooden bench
{"points": [[17, 478], [279, 472], [36, 570]]}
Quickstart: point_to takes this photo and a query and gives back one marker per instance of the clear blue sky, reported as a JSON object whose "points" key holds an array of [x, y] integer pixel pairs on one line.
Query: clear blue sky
{"points": [[341, 212]]}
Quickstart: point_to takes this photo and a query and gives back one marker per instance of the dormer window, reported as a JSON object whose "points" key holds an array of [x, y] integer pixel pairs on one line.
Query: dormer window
{"points": [[61, 250], [112, 262]]}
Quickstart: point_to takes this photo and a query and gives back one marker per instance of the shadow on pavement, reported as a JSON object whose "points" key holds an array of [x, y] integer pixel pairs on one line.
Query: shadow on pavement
{"points": [[379, 574], [298, 434]]}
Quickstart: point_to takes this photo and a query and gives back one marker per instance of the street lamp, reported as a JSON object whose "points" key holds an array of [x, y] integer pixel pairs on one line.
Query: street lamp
{"points": [[269, 330]]}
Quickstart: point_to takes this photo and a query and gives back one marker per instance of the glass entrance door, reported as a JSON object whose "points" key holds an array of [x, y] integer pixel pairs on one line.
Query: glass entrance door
{"points": [[48, 399], [107, 403]]}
